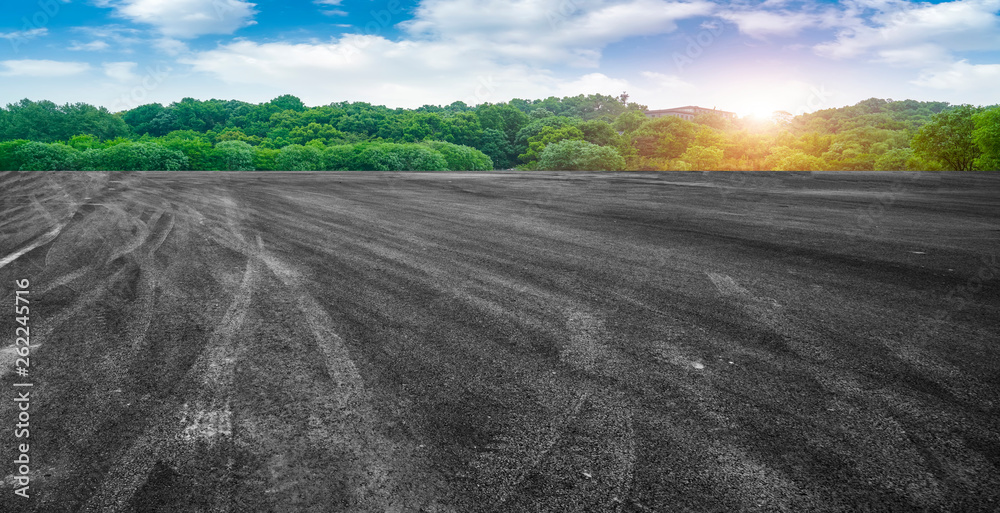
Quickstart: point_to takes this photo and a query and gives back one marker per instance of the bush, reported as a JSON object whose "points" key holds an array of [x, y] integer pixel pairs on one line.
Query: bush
{"points": [[265, 159], [462, 158], [568, 155], [36, 156], [235, 156], [417, 157], [128, 156], [9, 159], [295, 157]]}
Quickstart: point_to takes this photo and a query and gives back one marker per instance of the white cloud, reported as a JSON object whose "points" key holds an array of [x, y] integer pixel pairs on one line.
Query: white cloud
{"points": [[187, 18], [663, 83], [93, 46], [41, 68], [956, 26], [121, 71], [398, 74], [572, 32], [914, 56], [170, 46], [962, 76], [761, 24], [24, 34]]}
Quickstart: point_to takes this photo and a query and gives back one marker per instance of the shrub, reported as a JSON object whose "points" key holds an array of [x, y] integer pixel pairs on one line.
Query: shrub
{"points": [[578, 155], [235, 156]]}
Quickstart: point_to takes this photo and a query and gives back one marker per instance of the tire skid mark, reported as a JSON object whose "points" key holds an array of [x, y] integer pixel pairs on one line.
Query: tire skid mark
{"points": [[141, 234], [770, 314], [84, 302], [207, 419], [585, 349], [40, 241], [65, 279], [515, 459], [355, 428]]}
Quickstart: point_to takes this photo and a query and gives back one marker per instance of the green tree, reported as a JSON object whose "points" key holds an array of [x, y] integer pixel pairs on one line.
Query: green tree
{"points": [[129, 156], [629, 121], [235, 156], [783, 158], [295, 157], [195, 145], [548, 135], [948, 139], [36, 156], [703, 158], [579, 155], [894, 160], [9, 156], [500, 151], [986, 135], [666, 137], [461, 158]]}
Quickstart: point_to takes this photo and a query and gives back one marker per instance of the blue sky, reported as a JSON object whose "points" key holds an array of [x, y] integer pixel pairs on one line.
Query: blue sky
{"points": [[748, 56]]}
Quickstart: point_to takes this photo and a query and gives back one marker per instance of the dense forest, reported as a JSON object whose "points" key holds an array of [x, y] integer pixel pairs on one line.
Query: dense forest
{"points": [[595, 132]]}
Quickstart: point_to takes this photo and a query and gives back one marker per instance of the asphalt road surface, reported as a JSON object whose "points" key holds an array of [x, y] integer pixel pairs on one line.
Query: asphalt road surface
{"points": [[473, 342]]}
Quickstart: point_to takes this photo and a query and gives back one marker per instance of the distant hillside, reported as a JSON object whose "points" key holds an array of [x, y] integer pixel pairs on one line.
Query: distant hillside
{"points": [[594, 132]]}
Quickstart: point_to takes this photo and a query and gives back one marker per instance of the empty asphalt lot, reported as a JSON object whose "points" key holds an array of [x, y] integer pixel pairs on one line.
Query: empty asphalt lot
{"points": [[466, 342]]}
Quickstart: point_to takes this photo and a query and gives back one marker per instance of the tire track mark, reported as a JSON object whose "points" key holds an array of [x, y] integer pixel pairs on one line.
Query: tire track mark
{"points": [[40, 241], [206, 420], [353, 428]]}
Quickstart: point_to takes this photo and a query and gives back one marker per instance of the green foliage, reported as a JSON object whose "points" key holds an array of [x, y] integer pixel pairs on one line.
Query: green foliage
{"points": [[666, 137], [499, 150], [703, 158], [897, 159], [629, 121], [235, 156], [265, 159], [131, 156], [947, 139], [45, 121], [194, 145], [986, 135], [548, 135], [462, 158], [784, 158], [579, 155], [296, 157], [10, 159], [286, 134], [36, 156]]}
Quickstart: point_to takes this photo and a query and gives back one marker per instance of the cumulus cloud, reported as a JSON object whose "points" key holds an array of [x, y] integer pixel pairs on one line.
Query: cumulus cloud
{"points": [[24, 34], [961, 76], [187, 18], [761, 24], [545, 31], [93, 46], [41, 68], [121, 71], [955, 26]]}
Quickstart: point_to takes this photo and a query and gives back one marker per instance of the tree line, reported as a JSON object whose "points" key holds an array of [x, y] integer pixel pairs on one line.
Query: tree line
{"points": [[595, 132]]}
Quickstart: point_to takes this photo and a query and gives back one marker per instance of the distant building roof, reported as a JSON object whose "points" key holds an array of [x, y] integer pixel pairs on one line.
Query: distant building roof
{"points": [[688, 112]]}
